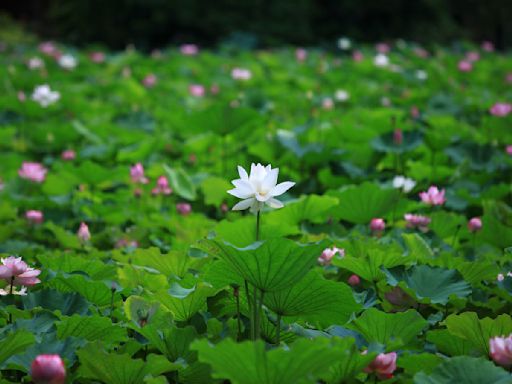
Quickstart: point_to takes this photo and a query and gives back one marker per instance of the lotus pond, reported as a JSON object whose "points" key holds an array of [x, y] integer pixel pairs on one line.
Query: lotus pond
{"points": [[370, 238]]}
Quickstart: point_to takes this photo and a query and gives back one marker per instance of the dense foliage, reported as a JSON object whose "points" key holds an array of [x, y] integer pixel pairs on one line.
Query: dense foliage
{"points": [[390, 259]]}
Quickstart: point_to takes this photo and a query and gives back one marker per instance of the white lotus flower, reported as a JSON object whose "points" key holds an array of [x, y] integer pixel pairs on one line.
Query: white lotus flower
{"points": [[341, 95], [421, 74], [258, 188], [44, 95], [381, 60], [403, 183], [35, 63], [344, 43], [68, 62]]}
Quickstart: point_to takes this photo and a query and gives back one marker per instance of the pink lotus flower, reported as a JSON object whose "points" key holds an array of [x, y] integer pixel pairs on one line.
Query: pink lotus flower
{"points": [[22, 97], [421, 52], [34, 217], [508, 149], [398, 136], [327, 103], [214, 89], [382, 47], [508, 78], [241, 74], [83, 232], [383, 366], [357, 56], [472, 56], [162, 187], [149, 81], [97, 57], [196, 90], [123, 243], [501, 109], [465, 66], [35, 172], [183, 208], [417, 221], [433, 196], [354, 280], [475, 224], [48, 48], [377, 225], [488, 46], [328, 253], [68, 155], [301, 54], [16, 272], [137, 174], [189, 49], [501, 350], [48, 369], [415, 112]]}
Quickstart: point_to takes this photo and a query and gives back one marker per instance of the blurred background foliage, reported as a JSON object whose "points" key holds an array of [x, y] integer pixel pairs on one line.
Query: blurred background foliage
{"points": [[259, 23]]}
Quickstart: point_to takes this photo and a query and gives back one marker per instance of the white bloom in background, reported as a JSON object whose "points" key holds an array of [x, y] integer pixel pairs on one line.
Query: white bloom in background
{"points": [[241, 74], [381, 60], [35, 63], [67, 62], [403, 183], [421, 74], [258, 188], [385, 101], [44, 95], [344, 43], [341, 95]]}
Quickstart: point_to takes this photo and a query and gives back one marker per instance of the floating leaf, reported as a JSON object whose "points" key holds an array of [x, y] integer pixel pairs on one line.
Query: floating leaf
{"points": [[315, 300], [384, 328], [429, 284], [477, 331], [91, 328], [360, 204], [271, 265], [119, 369], [305, 361], [15, 343], [467, 370]]}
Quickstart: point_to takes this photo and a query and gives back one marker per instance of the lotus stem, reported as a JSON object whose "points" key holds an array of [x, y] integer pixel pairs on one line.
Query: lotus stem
{"points": [[258, 222], [236, 293], [255, 315], [251, 318], [278, 329]]}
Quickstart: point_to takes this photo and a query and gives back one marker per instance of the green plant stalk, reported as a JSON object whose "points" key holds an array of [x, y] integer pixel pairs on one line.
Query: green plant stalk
{"points": [[433, 166], [255, 314], [255, 307], [251, 319], [278, 329], [9, 321], [395, 206], [259, 310], [258, 222], [238, 320]]}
